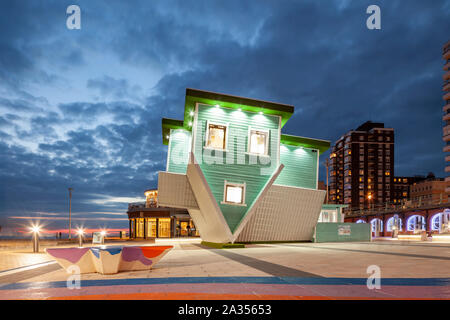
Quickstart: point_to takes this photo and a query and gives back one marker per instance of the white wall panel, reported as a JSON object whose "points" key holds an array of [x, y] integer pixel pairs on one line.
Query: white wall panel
{"points": [[285, 214], [175, 191]]}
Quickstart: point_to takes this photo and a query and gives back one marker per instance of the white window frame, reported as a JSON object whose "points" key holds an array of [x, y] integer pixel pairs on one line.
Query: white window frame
{"points": [[226, 125], [232, 184], [266, 149]]}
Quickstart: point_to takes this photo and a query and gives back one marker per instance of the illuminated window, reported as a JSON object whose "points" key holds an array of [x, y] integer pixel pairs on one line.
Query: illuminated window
{"points": [[388, 173], [258, 142], [234, 193], [216, 136]]}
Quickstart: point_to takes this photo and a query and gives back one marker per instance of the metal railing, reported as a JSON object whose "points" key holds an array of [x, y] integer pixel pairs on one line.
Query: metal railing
{"points": [[406, 205], [141, 205]]}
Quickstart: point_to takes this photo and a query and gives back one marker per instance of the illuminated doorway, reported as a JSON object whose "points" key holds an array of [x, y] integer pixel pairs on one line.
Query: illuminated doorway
{"points": [[183, 230], [139, 228], [164, 228], [151, 227]]}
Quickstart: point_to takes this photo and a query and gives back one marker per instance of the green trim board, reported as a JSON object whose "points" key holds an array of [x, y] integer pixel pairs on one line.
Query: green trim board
{"points": [[321, 145], [194, 96], [168, 124]]}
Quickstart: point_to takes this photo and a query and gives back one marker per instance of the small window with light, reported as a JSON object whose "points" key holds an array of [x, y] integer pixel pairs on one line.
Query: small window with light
{"points": [[258, 142], [234, 193], [216, 136]]}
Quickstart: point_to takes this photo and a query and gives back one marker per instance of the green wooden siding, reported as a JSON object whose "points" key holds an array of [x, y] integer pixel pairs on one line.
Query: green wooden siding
{"points": [[300, 167], [254, 175], [329, 232], [179, 148]]}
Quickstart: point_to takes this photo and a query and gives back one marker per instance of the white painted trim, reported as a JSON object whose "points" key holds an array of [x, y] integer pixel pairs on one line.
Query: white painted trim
{"points": [[286, 186], [290, 135], [168, 150], [194, 128], [215, 149], [232, 184], [279, 142], [227, 125], [224, 107], [266, 147], [257, 155], [317, 173]]}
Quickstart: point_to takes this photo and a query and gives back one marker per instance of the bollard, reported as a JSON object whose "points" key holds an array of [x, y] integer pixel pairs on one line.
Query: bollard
{"points": [[80, 239], [35, 242]]}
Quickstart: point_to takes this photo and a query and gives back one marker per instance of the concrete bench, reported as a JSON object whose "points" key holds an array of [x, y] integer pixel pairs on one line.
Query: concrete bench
{"points": [[109, 260]]}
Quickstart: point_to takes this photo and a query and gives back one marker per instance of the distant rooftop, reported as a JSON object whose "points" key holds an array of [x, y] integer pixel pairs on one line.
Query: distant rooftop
{"points": [[369, 125]]}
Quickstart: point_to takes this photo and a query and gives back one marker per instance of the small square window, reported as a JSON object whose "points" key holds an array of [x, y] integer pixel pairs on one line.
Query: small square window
{"points": [[234, 193], [258, 142], [216, 136]]}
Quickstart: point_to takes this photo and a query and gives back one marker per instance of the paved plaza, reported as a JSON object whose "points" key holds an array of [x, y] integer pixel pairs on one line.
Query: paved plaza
{"points": [[411, 270]]}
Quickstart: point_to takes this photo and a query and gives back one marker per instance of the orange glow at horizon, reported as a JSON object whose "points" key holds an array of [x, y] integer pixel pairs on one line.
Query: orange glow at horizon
{"points": [[86, 230]]}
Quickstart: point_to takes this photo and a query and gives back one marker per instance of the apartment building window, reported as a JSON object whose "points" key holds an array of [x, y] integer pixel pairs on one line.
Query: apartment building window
{"points": [[216, 135], [234, 193], [258, 142]]}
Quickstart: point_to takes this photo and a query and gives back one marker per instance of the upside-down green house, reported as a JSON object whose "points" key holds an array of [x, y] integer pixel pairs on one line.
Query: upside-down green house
{"points": [[239, 177]]}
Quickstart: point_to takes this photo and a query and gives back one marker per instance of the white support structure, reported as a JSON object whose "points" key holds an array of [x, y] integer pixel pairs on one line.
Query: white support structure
{"points": [[285, 214]]}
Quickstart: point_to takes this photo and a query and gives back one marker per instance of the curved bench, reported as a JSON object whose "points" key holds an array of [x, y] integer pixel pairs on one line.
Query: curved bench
{"points": [[109, 260]]}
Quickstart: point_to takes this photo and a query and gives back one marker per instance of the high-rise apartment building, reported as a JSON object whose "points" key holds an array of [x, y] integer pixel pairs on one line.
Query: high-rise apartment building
{"points": [[446, 108], [362, 167]]}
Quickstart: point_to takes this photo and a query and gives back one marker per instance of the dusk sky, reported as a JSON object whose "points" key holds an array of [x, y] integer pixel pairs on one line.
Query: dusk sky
{"points": [[83, 108]]}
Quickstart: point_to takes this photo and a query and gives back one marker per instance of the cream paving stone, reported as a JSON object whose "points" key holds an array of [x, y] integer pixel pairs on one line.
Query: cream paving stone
{"points": [[188, 259], [10, 260]]}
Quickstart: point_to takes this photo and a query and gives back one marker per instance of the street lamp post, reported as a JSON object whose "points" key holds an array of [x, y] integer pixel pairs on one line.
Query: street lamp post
{"points": [[327, 165], [103, 233], [70, 213], [369, 197], [35, 230], [80, 236]]}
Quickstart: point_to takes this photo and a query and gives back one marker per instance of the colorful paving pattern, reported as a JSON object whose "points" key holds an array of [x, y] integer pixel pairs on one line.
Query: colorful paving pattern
{"points": [[231, 288]]}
